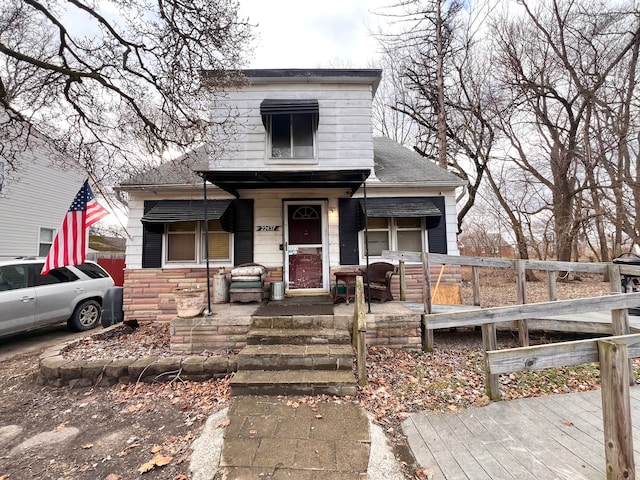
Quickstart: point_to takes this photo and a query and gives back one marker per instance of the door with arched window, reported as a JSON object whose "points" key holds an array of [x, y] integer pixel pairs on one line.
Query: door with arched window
{"points": [[305, 234]]}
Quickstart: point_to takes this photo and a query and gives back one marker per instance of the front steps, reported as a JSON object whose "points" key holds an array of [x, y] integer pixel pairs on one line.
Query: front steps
{"points": [[296, 355]]}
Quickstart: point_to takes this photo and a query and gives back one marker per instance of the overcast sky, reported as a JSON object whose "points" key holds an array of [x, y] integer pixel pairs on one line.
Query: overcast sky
{"points": [[304, 34]]}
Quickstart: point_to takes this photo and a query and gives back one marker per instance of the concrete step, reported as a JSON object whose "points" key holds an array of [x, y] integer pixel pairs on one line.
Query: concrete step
{"points": [[300, 321], [296, 357], [297, 336], [293, 382]]}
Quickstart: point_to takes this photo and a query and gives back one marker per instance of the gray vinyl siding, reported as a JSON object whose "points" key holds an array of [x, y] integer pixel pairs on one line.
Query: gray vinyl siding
{"points": [[37, 196], [344, 135]]}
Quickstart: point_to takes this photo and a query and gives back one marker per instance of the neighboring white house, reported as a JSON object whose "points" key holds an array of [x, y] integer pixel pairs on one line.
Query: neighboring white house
{"points": [[291, 193], [33, 201]]}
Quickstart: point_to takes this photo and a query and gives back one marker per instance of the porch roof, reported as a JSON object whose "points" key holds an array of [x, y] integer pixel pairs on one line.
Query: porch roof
{"points": [[233, 181], [171, 211], [400, 207]]}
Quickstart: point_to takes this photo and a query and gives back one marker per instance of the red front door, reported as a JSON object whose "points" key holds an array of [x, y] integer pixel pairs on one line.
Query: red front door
{"points": [[305, 252]]}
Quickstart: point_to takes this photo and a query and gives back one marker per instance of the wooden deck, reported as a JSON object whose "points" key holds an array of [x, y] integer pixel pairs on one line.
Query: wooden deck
{"points": [[552, 437]]}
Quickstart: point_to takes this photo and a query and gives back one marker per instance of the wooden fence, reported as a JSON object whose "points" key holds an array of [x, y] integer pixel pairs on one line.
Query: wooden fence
{"points": [[617, 302]]}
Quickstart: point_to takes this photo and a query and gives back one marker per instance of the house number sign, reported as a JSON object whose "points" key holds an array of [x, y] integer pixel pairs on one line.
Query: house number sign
{"points": [[268, 228]]}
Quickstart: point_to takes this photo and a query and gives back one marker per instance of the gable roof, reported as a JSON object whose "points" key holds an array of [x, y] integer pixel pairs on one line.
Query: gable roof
{"points": [[395, 163], [178, 172]]}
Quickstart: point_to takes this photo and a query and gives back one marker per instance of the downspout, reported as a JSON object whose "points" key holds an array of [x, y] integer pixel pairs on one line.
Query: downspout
{"points": [[366, 241], [207, 312]]}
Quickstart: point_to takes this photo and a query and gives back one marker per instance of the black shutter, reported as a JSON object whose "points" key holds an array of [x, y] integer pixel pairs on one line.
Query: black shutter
{"points": [[243, 233], [349, 217], [151, 241], [437, 229]]}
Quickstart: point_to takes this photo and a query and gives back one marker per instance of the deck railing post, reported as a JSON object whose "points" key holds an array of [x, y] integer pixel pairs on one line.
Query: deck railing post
{"points": [[360, 331], [475, 285], [427, 335], [553, 290], [619, 317], [403, 281], [490, 342], [521, 285], [616, 409]]}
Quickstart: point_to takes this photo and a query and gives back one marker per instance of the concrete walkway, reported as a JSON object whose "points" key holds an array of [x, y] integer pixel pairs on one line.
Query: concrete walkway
{"points": [[273, 438]]}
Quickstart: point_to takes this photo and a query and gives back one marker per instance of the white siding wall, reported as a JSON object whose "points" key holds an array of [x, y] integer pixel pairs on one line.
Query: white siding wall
{"points": [[37, 196], [268, 212], [344, 136], [452, 223], [133, 250]]}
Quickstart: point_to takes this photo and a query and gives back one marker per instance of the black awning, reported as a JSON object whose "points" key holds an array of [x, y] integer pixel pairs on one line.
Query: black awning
{"points": [[172, 211], [279, 106], [232, 181], [401, 207]]}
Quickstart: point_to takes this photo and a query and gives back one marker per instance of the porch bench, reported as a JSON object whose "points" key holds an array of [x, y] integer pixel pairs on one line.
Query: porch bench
{"points": [[379, 283], [246, 283]]}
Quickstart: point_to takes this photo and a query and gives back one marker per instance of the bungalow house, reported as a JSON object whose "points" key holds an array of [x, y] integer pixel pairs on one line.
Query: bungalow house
{"points": [[291, 192]]}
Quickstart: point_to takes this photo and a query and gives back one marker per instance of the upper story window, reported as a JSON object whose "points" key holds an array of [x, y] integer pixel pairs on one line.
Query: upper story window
{"points": [[292, 136], [291, 127]]}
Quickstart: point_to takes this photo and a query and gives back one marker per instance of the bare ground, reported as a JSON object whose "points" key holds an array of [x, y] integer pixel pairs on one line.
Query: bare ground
{"points": [[146, 430]]}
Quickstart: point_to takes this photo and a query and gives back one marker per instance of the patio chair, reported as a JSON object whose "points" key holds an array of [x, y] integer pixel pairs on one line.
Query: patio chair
{"points": [[379, 284]]}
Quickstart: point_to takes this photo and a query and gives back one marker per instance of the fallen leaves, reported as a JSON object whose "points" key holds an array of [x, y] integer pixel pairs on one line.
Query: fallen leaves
{"points": [[158, 460]]}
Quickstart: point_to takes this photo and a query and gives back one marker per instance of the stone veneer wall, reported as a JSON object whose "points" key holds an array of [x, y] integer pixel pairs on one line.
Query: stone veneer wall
{"points": [[148, 296], [195, 335], [148, 292]]}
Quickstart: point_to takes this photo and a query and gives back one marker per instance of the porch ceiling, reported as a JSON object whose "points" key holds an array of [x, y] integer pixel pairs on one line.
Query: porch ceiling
{"points": [[233, 181]]}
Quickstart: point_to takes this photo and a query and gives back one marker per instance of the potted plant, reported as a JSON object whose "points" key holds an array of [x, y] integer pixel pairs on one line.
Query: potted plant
{"points": [[189, 301]]}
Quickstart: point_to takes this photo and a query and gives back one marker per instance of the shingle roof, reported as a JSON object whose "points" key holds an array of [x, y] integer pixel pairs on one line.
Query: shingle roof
{"points": [[180, 171], [395, 163]]}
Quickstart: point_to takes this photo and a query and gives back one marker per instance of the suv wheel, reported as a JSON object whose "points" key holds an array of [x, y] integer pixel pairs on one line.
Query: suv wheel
{"points": [[86, 316]]}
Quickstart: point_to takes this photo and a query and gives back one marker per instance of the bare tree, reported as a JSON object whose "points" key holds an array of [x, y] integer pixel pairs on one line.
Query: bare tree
{"points": [[553, 61], [387, 121], [117, 82], [446, 92]]}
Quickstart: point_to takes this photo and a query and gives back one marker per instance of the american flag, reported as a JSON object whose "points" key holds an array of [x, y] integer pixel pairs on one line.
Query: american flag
{"points": [[70, 243]]}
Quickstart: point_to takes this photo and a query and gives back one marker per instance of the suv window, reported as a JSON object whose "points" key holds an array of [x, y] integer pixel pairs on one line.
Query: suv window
{"points": [[92, 270], [58, 275], [13, 277]]}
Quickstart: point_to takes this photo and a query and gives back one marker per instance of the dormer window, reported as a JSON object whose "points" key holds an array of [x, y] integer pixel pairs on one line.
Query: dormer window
{"points": [[291, 127]]}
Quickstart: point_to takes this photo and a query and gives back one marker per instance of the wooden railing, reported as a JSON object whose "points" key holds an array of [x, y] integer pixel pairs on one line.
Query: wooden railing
{"points": [[613, 354], [359, 336], [615, 303]]}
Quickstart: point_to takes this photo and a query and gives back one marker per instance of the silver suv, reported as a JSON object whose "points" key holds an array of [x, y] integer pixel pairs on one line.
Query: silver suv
{"points": [[29, 300]]}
